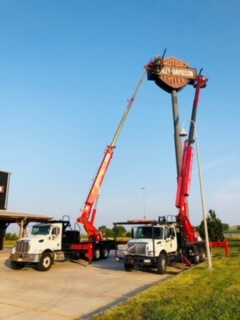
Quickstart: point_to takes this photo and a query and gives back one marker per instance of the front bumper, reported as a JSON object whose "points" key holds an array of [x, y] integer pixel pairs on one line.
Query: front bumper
{"points": [[140, 260], [25, 257]]}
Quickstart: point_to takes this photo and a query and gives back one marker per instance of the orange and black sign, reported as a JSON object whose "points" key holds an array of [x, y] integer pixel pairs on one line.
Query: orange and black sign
{"points": [[171, 74]]}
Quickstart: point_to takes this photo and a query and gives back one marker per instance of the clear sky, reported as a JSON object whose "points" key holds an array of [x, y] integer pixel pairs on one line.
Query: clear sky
{"points": [[67, 70]]}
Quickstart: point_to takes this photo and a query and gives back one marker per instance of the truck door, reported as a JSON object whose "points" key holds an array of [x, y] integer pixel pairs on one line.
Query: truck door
{"points": [[170, 239], [55, 238]]}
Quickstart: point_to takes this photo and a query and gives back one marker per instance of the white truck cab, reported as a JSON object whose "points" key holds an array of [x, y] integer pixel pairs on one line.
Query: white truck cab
{"points": [[42, 247], [152, 246]]}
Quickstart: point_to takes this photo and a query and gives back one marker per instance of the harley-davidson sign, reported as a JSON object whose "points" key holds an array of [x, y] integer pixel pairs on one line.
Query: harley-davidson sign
{"points": [[171, 74]]}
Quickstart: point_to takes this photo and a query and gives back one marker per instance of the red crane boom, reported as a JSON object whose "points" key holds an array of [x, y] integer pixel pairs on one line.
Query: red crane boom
{"points": [[185, 178], [89, 212]]}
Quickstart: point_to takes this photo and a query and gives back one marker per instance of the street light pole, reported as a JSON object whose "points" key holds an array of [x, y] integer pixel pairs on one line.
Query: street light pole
{"points": [[203, 200], [209, 259]]}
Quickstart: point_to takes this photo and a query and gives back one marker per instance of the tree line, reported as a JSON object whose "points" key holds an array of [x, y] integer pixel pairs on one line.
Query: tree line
{"points": [[11, 237], [216, 230]]}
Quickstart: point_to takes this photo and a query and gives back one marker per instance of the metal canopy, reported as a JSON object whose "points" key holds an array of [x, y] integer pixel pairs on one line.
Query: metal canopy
{"points": [[9, 217], [22, 220]]}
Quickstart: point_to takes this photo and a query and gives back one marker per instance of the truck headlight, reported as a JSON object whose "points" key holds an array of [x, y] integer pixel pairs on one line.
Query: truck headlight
{"points": [[150, 253]]}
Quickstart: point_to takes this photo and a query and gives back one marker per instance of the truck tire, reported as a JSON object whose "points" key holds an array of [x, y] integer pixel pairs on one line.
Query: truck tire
{"points": [[128, 267], [202, 255], [104, 253], [162, 263], [45, 262], [17, 265], [97, 253], [196, 259]]}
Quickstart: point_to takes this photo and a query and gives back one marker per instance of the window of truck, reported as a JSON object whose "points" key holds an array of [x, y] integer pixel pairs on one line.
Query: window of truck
{"points": [[40, 230], [149, 233]]}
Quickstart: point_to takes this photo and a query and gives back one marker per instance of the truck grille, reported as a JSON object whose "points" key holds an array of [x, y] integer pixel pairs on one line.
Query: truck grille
{"points": [[22, 247], [138, 248]]}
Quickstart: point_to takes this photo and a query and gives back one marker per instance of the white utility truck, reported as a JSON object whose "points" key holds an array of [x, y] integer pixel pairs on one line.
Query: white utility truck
{"points": [[155, 244], [48, 242], [55, 241]]}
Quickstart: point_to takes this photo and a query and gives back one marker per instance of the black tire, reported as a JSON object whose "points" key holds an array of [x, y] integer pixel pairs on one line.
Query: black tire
{"points": [[97, 254], [162, 263], [203, 255], [17, 265], [196, 259], [45, 262], [104, 253], [128, 267]]}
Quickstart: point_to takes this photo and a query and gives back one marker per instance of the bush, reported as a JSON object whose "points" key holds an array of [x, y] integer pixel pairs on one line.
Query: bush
{"points": [[215, 227], [11, 237]]}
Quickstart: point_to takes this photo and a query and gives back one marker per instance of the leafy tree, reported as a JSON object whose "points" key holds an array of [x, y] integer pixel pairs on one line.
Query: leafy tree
{"points": [[15, 237], [120, 231], [107, 233], [11, 237], [215, 227], [103, 229], [129, 234], [8, 236], [110, 233], [225, 226]]}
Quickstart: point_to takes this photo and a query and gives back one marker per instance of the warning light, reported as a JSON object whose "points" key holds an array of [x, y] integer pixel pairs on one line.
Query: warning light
{"points": [[2, 189]]}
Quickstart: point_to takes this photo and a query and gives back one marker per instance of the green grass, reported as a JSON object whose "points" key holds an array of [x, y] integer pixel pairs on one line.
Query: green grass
{"points": [[9, 243], [198, 294]]}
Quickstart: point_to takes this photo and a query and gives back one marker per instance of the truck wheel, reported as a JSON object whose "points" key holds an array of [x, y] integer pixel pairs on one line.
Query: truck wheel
{"points": [[45, 262], [17, 265], [162, 263], [104, 253], [128, 267], [202, 254], [196, 259], [97, 254]]}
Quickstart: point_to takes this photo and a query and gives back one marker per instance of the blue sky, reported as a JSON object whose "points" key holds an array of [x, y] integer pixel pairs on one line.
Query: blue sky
{"points": [[67, 70]]}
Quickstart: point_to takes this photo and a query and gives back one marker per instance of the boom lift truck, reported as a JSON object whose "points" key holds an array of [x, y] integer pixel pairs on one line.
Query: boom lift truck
{"points": [[98, 247], [55, 240], [156, 242]]}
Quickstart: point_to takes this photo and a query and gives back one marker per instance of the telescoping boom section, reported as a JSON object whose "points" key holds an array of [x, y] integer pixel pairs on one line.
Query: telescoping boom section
{"points": [[89, 212], [185, 178]]}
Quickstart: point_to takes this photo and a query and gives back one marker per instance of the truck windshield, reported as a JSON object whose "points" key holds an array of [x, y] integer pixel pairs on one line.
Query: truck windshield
{"points": [[149, 233], [42, 230]]}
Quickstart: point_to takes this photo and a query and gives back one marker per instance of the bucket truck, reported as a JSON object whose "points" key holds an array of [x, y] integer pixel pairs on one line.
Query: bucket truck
{"points": [[156, 242], [55, 240]]}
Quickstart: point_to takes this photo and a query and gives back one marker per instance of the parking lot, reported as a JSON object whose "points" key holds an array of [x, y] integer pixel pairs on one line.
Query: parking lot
{"points": [[70, 290]]}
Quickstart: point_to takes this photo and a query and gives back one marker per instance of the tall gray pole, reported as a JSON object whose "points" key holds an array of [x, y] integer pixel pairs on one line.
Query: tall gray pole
{"points": [[177, 138], [204, 209]]}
